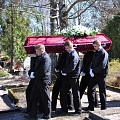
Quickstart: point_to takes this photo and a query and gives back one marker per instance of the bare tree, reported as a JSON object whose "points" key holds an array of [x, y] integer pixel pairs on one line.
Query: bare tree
{"points": [[60, 14], [93, 13]]}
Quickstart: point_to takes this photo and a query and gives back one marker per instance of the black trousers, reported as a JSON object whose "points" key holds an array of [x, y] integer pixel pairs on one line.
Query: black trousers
{"points": [[56, 90], [28, 92], [84, 84], [41, 89], [66, 86], [99, 80]]}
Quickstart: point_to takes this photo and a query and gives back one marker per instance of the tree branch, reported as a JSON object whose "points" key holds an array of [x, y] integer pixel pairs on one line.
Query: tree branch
{"points": [[74, 4], [82, 11]]}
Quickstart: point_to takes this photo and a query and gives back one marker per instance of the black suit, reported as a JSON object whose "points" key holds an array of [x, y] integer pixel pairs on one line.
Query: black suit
{"points": [[41, 86], [58, 83], [31, 83], [85, 79], [72, 69], [100, 70]]}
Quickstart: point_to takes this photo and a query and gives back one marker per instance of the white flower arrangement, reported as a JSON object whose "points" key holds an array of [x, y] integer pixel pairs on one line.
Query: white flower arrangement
{"points": [[78, 31]]}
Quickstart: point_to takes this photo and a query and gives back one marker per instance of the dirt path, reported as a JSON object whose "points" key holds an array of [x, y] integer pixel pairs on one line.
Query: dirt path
{"points": [[55, 116], [113, 101]]}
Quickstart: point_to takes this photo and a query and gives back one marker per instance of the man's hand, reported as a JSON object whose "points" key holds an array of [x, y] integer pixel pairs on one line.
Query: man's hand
{"points": [[91, 73], [64, 74], [82, 73]]}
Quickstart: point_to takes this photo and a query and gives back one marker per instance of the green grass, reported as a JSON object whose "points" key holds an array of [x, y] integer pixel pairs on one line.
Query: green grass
{"points": [[4, 73], [114, 72]]}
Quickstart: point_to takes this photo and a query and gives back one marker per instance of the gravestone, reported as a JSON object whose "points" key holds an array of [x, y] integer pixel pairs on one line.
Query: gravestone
{"points": [[27, 65]]}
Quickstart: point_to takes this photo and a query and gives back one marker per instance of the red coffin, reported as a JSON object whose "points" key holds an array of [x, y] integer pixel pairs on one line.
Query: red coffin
{"points": [[55, 44]]}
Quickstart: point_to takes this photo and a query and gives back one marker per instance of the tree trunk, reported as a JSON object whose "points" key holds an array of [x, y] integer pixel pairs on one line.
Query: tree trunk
{"points": [[2, 2], [53, 16], [12, 38], [62, 15]]}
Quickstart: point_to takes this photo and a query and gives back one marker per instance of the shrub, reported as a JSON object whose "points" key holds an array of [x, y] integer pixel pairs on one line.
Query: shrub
{"points": [[6, 57]]}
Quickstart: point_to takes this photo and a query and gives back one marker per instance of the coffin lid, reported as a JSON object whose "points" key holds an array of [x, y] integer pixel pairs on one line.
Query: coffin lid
{"points": [[55, 44]]}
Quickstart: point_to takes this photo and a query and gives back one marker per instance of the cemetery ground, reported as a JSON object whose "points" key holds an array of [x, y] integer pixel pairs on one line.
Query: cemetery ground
{"points": [[6, 113]]}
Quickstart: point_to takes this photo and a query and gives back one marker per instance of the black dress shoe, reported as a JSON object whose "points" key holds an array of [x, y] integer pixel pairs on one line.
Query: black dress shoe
{"points": [[70, 108], [61, 112], [97, 105], [45, 117], [88, 109], [53, 109], [76, 113], [39, 112], [30, 118], [25, 111], [103, 108]]}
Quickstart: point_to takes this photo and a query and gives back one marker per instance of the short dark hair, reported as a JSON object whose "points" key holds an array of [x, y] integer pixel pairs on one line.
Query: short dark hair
{"points": [[97, 42], [68, 43], [39, 47]]}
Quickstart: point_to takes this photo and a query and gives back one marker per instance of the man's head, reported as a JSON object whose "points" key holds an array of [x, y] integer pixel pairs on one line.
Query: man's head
{"points": [[96, 44], [68, 46], [40, 49]]}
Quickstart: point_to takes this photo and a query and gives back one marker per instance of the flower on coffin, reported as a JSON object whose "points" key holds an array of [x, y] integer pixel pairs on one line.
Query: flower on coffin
{"points": [[65, 32], [79, 31]]}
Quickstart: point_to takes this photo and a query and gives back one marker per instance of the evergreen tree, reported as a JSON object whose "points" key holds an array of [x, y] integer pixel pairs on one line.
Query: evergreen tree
{"points": [[112, 30], [16, 26], [14, 23]]}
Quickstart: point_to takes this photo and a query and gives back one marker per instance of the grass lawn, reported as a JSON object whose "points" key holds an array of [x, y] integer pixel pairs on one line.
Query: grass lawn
{"points": [[4, 73], [114, 72]]}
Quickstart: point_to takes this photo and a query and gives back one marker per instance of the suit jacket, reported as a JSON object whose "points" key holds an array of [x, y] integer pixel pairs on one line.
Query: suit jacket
{"points": [[100, 62], [87, 60], [43, 67], [61, 60], [72, 67]]}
